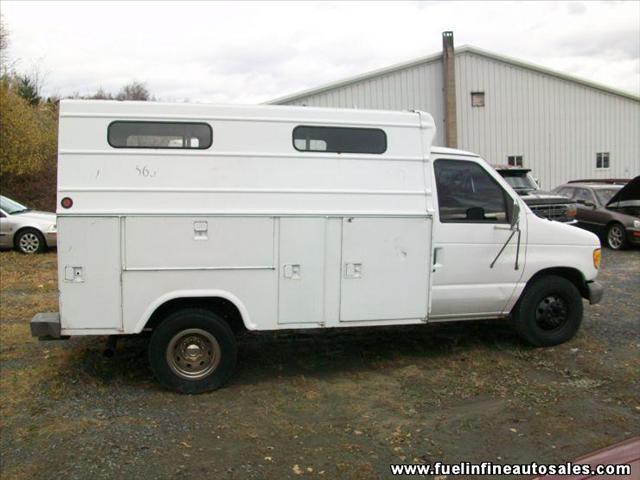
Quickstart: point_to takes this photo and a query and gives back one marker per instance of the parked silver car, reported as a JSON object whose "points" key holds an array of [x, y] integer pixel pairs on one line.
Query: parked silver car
{"points": [[26, 230]]}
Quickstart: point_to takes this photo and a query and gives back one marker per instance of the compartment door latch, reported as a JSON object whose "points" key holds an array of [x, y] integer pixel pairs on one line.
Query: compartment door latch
{"points": [[291, 271], [73, 274], [352, 270]]}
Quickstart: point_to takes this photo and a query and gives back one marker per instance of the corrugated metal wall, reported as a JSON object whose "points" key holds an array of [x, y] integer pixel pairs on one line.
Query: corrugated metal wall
{"points": [[417, 87], [557, 125]]}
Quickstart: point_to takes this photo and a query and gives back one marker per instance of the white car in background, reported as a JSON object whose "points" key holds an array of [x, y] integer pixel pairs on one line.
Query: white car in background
{"points": [[26, 230]]}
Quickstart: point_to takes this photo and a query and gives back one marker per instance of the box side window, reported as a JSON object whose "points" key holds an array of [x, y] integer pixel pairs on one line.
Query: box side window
{"points": [[339, 140], [126, 134]]}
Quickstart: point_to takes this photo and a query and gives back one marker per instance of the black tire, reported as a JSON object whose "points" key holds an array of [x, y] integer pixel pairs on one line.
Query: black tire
{"points": [[30, 240], [549, 311], [616, 236], [189, 331]]}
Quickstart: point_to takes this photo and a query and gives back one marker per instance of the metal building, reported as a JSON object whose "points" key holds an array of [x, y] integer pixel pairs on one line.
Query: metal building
{"points": [[507, 110]]}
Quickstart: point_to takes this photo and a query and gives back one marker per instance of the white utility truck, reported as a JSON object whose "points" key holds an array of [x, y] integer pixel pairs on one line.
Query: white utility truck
{"points": [[194, 222]]}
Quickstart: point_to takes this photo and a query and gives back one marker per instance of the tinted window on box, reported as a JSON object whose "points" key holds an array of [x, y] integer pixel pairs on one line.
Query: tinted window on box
{"points": [[339, 140], [180, 135]]}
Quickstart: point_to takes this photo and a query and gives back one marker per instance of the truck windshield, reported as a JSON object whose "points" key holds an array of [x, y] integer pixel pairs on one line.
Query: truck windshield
{"points": [[521, 182], [10, 206]]}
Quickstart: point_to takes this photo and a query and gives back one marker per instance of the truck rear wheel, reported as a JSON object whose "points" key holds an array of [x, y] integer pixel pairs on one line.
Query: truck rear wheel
{"points": [[192, 350], [549, 311]]}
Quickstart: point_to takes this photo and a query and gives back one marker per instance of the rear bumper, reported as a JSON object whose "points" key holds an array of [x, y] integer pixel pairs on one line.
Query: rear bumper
{"points": [[52, 239], [596, 290], [46, 326]]}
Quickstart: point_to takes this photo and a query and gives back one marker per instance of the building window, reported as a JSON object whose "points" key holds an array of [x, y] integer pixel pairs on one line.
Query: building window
{"points": [[477, 99], [339, 140], [514, 160], [197, 136], [602, 160]]}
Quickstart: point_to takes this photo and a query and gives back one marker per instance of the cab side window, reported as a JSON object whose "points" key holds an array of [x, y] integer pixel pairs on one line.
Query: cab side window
{"points": [[468, 194], [566, 191], [583, 195]]}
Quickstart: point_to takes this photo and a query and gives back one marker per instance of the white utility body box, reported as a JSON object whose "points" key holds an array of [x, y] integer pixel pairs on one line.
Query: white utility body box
{"points": [[208, 220]]}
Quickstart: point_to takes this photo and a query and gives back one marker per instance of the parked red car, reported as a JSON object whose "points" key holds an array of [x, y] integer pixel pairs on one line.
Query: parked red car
{"points": [[623, 453]]}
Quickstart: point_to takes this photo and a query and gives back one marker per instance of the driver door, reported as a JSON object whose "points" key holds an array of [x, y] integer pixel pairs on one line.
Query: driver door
{"points": [[589, 213], [472, 225]]}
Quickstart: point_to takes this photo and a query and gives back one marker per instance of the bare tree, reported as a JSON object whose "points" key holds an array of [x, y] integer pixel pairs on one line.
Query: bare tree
{"points": [[101, 94], [4, 44], [134, 91]]}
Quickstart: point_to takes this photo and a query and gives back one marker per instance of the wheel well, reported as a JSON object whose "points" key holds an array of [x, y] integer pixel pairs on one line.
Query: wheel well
{"points": [[571, 274], [612, 222], [218, 305], [17, 233]]}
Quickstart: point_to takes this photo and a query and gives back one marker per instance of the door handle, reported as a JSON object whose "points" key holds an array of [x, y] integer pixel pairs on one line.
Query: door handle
{"points": [[437, 252], [200, 230]]}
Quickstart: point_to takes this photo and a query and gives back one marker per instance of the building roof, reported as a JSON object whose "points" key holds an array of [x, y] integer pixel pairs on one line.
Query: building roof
{"points": [[438, 56]]}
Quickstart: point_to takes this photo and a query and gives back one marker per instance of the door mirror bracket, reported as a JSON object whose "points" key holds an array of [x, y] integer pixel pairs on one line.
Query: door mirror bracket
{"points": [[515, 229], [515, 215]]}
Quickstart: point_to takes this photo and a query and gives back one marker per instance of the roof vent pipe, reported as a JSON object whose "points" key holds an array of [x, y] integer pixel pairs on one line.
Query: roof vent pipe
{"points": [[449, 81]]}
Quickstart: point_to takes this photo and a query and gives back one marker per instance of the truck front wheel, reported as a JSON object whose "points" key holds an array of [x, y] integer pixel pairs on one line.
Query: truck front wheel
{"points": [[549, 311], [193, 350]]}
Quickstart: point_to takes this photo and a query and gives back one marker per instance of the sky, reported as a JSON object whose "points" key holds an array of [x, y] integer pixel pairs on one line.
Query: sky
{"points": [[245, 52]]}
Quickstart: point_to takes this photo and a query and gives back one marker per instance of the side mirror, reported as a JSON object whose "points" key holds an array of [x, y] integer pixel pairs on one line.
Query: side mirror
{"points": [[515, 215]]}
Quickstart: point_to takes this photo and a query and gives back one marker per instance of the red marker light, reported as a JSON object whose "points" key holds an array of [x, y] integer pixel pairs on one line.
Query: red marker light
{"points": [[66, 202]]}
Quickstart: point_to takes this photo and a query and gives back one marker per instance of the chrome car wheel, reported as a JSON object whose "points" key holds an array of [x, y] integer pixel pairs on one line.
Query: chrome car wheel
{"points": [[615, 237], [29, 242], [193, 354]]}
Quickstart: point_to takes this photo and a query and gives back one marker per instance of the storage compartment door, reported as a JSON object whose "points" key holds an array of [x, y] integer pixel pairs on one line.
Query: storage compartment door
{"points": [[385, 269], [89, 267], [301, 270]]}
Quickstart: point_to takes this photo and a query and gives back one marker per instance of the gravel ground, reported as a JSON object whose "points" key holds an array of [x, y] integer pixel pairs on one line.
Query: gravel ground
{"points": [[331, 405]]}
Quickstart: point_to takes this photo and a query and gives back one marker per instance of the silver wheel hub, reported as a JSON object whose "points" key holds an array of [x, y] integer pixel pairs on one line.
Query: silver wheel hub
{"points": [[193, 354], [29, 242], [615, 236], [193, 351]]}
